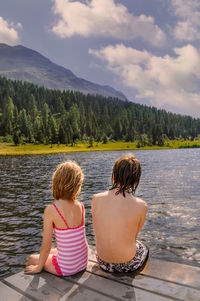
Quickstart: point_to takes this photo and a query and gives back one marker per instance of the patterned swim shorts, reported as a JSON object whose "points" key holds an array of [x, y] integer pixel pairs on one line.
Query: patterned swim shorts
{"points": [[135, 264]]}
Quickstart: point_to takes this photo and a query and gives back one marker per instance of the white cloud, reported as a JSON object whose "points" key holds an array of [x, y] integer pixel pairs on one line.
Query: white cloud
{"points": [[104, 18], [8, 33], [188, 25], [164, 81]]}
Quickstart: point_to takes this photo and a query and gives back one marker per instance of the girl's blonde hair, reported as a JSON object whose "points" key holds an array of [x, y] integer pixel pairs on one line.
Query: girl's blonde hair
{"points": [[67, 181]]}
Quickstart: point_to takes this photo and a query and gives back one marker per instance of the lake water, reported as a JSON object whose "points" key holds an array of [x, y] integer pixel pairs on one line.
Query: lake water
{"points": [[170, 184]]}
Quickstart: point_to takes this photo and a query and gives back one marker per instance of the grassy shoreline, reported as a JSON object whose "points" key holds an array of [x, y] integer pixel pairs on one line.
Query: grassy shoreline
{"points": [[7, 149]]}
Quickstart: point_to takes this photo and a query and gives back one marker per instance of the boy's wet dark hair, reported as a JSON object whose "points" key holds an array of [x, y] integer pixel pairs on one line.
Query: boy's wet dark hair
{"points": [[126, 174]]}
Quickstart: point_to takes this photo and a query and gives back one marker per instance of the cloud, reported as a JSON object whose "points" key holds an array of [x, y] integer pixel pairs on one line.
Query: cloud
{"points": [[188, 25], [104, 18], [8, 33], [164, 81]]}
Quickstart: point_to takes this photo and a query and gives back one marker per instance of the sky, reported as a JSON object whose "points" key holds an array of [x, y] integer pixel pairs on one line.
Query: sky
{"points": [[147, 49]]}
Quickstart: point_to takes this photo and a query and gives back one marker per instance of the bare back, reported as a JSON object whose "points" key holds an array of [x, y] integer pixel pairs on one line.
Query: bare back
{"points": [[117, 221], [71, 211]]}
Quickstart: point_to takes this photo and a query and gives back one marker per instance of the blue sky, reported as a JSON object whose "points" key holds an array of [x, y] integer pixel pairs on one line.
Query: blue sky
{"points": [[149, 50]]}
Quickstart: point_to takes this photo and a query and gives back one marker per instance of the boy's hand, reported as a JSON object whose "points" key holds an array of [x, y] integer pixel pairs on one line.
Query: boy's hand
{"points": [[32, 269]]}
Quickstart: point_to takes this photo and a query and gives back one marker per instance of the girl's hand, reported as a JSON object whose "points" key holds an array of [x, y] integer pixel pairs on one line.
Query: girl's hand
{"points": [[32, 269]]}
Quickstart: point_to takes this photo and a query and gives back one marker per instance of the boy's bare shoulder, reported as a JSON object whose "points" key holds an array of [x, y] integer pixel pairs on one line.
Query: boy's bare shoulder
{"points": [[142, 203], [100, 195]]}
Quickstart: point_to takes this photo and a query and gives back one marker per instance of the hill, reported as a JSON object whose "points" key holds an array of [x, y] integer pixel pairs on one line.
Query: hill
{"points": [[21, 63]]}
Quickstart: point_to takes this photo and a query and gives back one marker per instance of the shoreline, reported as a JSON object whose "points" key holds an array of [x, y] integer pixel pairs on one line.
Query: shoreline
{"points": [[9, 149]]}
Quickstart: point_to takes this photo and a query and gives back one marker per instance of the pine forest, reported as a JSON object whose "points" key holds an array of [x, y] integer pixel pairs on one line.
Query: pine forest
{"points": [[32, 114]]}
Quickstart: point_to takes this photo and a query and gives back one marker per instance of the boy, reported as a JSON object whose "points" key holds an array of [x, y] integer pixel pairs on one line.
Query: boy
{"points": [[118, 217]]}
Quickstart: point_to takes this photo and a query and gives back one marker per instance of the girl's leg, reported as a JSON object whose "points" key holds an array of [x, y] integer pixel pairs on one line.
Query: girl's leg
{"points": [[49, 266], [33, 259], [54, 251]]}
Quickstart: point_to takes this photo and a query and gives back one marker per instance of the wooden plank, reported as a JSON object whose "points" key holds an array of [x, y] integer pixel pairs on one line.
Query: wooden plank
{"points": [[120, 291], [45, 286], [168, 271], [9, 294], [155, 286], [174, 272], [83, 286], [161, 281], [38, 286]]}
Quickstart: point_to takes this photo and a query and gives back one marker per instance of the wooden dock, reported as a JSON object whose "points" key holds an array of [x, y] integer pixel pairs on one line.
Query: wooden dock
{"points": [[159, 281]]}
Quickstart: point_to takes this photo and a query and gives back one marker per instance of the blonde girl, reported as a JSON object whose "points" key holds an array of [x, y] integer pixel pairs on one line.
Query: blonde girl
{"points": [[66, 218]]}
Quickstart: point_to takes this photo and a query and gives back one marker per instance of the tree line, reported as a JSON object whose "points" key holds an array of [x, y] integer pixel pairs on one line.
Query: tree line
{"points": [[33, 114]]}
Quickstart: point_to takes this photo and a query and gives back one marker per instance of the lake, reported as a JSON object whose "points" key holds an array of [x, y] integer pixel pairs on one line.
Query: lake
{"points": [[170, 184]]}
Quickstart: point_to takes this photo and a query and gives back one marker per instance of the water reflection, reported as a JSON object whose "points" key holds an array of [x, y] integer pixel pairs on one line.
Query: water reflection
{"points": [[169, 184]]}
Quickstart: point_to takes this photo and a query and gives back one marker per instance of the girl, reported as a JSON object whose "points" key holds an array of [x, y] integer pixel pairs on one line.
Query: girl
{"points": [[118, 217], [66, 218]]}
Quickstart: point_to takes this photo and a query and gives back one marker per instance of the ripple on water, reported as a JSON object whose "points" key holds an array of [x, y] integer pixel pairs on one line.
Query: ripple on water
{"points": [[191, 254]]}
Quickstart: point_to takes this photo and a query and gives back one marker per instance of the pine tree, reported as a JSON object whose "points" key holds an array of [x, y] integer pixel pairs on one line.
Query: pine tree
{"points": [[23, 124], [53, 130], [9, 116]]}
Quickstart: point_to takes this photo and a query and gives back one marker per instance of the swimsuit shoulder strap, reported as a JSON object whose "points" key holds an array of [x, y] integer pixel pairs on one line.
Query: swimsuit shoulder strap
{"points": [[60, 215]]}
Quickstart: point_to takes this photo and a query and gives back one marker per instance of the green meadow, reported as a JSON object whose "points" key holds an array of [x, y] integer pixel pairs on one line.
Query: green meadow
{"points": [[38, 149]]}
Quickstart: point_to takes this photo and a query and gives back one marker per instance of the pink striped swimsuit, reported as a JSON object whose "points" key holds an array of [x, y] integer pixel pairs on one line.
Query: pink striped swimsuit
{"points": [[72, 247]]}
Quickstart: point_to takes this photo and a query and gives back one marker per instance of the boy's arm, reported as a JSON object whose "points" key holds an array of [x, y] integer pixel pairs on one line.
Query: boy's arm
{"points": [[93, 204], [142, 219], [46, 243], [92, 209]]}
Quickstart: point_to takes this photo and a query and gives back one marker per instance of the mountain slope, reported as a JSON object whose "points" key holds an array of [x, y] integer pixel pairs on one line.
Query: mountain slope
{"points": [[21, 63]]}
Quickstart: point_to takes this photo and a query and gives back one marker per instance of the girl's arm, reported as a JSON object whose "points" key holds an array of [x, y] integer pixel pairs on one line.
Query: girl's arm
{"points": [[46, 242]]}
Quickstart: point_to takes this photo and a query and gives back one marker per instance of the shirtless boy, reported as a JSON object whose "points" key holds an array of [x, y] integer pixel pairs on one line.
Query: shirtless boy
{"points": [[118, 216]]}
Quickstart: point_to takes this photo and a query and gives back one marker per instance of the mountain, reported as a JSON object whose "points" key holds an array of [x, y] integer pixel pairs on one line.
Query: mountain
{"points": [[21, 63]]}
